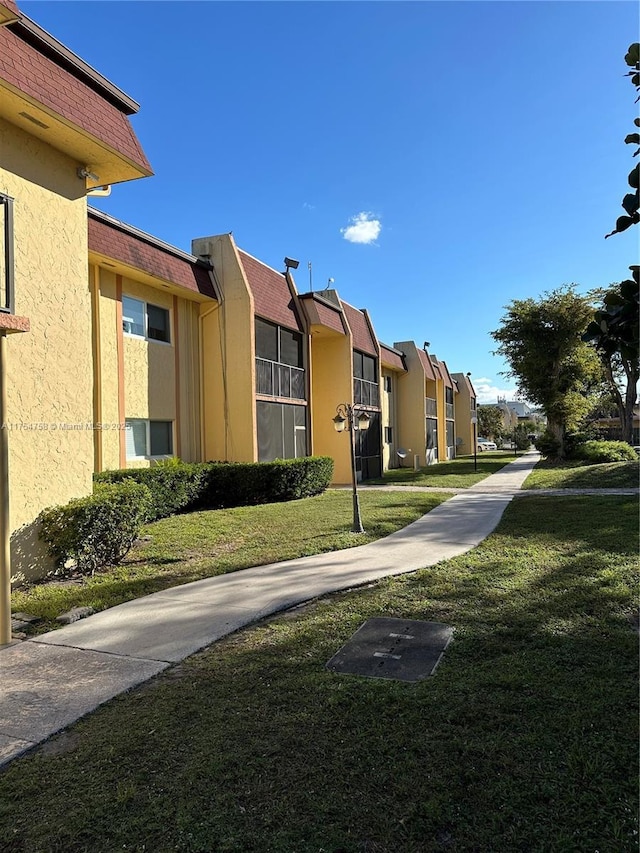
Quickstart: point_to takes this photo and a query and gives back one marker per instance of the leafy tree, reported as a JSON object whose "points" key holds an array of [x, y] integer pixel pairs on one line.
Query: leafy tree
{"points": [[554, 368], [630, 202], [490, 422], [521, 435], [615, 334]]}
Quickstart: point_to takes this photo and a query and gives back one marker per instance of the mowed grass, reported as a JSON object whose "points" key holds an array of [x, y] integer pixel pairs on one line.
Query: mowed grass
{"points": [[457, 474], [199, 545], [524, 740], [575, 474]]}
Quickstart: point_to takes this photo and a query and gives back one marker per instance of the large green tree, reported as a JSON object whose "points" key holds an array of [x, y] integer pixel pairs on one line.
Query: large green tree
{"points": [[615, 327], [555, 369], [615, 334], [490, 422]]}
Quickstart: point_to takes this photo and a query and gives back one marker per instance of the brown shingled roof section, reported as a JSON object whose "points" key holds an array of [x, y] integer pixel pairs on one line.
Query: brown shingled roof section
{"points": [[38, 77], [362, 338], [121, 246], [427, 365], [271, 296], [391, 358], [446, 376], [330, 317]]}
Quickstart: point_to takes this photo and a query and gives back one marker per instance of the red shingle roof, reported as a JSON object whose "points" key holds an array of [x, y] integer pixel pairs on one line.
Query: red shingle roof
{"points": [[446, 376], [115, 242], [391, 357], [362, 337], [57, 89], [271, 296], [427, 364]]}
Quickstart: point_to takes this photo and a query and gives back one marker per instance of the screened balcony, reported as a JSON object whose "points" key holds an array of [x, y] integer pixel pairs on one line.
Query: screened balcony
{"points": [[274, 379]]}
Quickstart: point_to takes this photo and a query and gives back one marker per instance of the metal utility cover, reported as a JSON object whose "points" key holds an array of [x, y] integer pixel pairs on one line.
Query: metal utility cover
{"points": [[404, 649]]}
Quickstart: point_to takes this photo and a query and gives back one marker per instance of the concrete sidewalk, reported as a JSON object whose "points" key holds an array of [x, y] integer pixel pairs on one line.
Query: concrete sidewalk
{"points": [[52, 680]]}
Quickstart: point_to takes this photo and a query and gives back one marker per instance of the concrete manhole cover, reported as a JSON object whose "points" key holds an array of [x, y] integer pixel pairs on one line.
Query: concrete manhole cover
{"points": [[404, 649]]}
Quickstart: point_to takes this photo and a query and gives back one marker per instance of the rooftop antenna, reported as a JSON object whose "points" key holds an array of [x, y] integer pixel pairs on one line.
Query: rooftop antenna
{"points": [[426, 345], [329, 283], [310, 277]]}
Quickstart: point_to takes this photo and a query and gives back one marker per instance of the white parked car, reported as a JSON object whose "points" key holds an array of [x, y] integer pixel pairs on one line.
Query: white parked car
{"points": [[485, 444]]}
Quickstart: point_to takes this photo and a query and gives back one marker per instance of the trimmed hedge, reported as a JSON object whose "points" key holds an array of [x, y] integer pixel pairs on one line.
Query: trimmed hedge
{"points": [[97, 530], [180, 486], [173, 487], [605, 451]]}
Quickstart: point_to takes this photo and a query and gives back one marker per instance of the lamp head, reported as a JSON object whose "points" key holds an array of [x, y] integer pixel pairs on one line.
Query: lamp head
{"points": [[339, 423]]}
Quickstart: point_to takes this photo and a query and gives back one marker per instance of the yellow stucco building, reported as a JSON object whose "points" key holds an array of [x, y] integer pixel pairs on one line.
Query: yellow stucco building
{"points": [[119, 350], [63, 130]]}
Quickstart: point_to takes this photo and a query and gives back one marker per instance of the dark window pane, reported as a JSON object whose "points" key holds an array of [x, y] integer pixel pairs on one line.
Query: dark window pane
{"points": [[289, 432], [449, 395], [432, 434], [266, 340], [357, 365], [264, 377], [269, 416], [157, 323], [284, 374], [160, 438], [450, 435], [297, 384], [291, 348], [370, 368]]}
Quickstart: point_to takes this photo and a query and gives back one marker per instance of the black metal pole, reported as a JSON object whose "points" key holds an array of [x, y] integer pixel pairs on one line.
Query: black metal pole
{"points": [[357, 521], [475, 447]]}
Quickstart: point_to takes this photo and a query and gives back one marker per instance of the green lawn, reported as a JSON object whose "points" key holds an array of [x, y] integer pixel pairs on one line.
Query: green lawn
{"points": [[575, 474], [525, 740], [457, 474], [198, 545]]}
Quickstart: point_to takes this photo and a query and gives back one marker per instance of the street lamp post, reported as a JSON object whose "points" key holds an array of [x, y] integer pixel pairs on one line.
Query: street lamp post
{"points": [[351, 418], [474, 421]]}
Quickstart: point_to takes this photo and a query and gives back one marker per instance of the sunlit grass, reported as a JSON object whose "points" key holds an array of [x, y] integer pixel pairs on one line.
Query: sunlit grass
{"points": [[199, 545], [459, 473], [576, 474]]}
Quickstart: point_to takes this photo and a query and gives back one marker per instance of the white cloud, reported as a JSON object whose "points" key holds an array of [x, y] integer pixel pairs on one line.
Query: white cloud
{"points": [[362, 228], [488, 392]]}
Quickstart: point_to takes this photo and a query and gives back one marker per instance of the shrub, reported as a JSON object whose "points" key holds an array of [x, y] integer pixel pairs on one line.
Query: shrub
{"points": [[547, 444], [605, 451], [213, 485], [245, 484], [97, 530], [174, 486]]}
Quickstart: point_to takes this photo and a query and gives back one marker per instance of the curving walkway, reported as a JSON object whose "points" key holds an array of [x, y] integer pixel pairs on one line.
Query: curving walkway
{"points": [[52, 680]]}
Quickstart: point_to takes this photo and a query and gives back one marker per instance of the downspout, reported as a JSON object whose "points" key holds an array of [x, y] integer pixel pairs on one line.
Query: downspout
{"points": [[201, 317], [5, 531]]}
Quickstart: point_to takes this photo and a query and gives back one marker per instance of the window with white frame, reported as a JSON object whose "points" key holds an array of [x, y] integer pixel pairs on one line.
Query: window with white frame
{"points": [[145, 320], [6, 254], [147, 439]]}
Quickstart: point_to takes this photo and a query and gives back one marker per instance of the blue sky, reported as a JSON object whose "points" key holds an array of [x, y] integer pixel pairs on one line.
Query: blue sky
{"points": [[475, 149]]}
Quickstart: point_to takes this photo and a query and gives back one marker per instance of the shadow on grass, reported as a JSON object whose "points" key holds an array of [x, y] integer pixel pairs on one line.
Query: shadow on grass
{"points": [[526, 738]]}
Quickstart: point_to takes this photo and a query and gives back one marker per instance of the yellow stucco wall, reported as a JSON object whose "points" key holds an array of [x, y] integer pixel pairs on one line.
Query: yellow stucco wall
{"points": [[464, 427], [228, 362], [154, 380], [411, 405], [388, 406], [49, 374], [331, 384]]}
